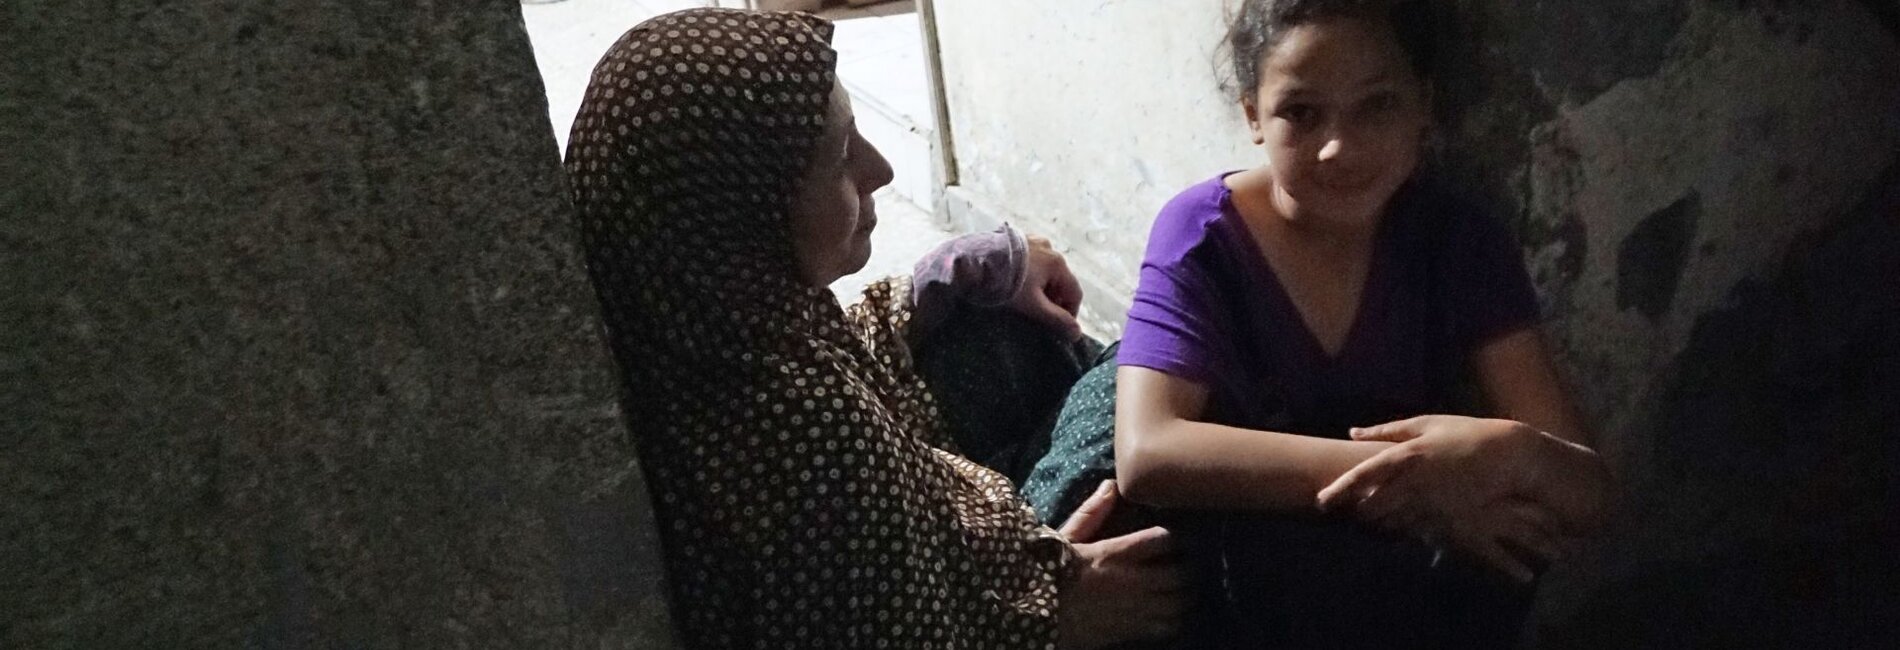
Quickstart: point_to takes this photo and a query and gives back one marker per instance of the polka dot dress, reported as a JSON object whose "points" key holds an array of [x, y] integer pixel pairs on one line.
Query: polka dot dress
{"points": [[795, 460]]}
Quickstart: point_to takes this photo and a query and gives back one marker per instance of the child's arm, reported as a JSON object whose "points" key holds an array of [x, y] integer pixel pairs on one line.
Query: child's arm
{"points": [[1541, 450], [1449, 474], [1164, 457], [1002, 268], [1521, 384]]}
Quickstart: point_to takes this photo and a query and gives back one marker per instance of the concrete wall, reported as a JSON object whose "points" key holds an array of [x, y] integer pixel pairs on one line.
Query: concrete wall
{"points": [[297, 347], [1705, 194], [1079, 120]]}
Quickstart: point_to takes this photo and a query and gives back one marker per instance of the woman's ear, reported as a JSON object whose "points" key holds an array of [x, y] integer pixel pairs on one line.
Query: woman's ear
{"points": [[1251, 108]]}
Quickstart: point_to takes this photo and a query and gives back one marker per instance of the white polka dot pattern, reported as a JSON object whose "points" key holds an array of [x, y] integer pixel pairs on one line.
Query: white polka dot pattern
{"points": [[797, 463]]}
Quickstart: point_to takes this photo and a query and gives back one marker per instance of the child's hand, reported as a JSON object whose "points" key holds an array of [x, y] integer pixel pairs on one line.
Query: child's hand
{"points": [[1453, 463], [1515, 537], [1050, 293], [1448, 472]]}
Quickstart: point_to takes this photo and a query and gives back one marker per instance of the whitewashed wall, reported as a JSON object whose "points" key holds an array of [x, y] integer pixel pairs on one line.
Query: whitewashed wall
{"points": [[1080, 119]]}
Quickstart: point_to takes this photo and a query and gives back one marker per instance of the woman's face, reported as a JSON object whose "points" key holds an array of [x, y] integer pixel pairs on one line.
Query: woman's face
{"points": [[833, 213], [1342, 116]]}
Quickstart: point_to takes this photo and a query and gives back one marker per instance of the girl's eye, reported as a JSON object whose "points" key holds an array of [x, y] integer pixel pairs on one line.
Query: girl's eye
{"points": [[1298, 113], [1382, 102]]}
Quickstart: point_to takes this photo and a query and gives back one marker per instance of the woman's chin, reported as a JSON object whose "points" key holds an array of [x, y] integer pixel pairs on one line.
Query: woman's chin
{"points": [[860, 254]]}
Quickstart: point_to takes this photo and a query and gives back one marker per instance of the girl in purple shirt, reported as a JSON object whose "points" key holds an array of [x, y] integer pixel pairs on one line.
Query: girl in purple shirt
{"points": [[1291, 356]]}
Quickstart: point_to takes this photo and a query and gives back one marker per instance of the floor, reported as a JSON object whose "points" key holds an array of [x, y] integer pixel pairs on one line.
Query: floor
{"points": [[880, 59]]}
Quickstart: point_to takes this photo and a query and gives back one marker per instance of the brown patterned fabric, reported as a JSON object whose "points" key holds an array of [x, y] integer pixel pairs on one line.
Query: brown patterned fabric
{"points": [[797, 463]]}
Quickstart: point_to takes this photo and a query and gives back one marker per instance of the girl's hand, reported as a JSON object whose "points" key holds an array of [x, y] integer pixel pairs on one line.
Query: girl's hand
{"points": [[1050, 293], [1448, 472], [1515, 537], [1474, 461]]}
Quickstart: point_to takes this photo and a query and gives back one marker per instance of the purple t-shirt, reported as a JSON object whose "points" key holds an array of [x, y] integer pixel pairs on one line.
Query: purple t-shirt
{"points": [[1444, 278]]}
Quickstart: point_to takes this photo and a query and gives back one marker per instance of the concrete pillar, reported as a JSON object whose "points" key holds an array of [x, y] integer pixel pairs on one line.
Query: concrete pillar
{"points": [[298, 350]]}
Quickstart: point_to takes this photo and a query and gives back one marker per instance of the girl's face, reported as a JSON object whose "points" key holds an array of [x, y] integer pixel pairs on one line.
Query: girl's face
{"points": [[1342, 116], [832, 214]]}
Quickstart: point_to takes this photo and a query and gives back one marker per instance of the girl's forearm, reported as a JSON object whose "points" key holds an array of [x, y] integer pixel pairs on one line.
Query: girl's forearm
{"points": [[1186, 464]]}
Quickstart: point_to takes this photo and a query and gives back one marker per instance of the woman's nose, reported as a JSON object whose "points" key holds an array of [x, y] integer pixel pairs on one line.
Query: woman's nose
{"points": [[876, 170], [1335, 148]]}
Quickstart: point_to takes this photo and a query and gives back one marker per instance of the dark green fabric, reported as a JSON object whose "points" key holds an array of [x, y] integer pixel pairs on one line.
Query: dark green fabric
{"points": [[1081, 452], [1043, 414], [1022, 403], [999, 380]]}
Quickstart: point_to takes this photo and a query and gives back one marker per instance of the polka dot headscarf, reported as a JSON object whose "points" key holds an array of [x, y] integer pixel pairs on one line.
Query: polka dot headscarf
{"points": [[797, 464]]}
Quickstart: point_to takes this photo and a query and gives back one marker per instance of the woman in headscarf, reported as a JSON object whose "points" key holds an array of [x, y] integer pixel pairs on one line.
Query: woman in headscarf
{"points": [[807, 491]]}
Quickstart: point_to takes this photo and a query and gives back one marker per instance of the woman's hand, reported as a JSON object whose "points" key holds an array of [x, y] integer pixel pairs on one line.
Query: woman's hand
{"points": [[1445, 480], [1124, 588], [1050, 293]]}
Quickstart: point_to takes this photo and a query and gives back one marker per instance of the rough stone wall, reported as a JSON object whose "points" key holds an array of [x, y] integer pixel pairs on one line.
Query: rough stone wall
{"points": [[297, 347], [1706, 194]]}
